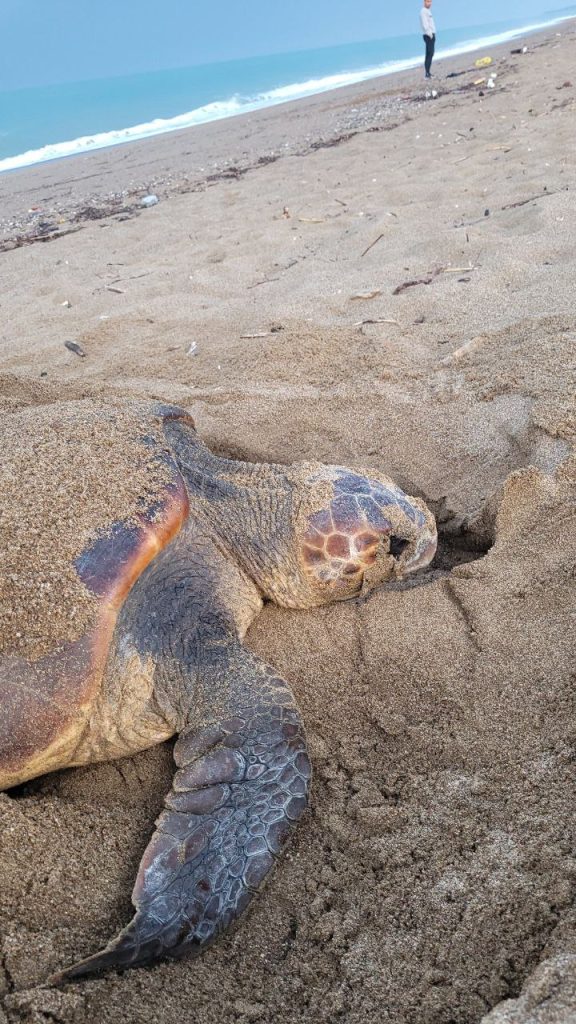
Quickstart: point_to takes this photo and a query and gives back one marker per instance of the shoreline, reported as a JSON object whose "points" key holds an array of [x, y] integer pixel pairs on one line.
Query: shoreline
{"points": [[196, 117], [44, 201]]}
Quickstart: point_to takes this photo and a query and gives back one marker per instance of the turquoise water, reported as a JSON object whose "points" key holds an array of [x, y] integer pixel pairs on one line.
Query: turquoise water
{"points": [[40, 124]]}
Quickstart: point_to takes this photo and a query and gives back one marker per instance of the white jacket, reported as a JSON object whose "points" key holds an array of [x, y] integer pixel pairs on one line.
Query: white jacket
{"points": [[428, 26]]}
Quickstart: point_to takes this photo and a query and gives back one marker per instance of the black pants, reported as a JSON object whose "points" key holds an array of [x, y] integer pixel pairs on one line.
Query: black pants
{"points": [[430, 45]]}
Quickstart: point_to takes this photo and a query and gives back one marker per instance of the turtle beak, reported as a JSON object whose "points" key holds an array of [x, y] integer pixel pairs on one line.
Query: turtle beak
{"points": [[425, 551]]}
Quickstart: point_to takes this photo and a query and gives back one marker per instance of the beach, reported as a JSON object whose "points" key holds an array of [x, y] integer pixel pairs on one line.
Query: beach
{"points": [[375, 277]]}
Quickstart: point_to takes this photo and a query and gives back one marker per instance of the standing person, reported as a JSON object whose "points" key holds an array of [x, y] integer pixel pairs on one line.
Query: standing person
{"points": [[429, 30]]}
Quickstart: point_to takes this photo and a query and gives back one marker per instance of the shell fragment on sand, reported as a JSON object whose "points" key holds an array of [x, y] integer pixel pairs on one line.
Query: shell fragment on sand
{"points": [[459, 270], [366, 295], [72, 346], [381, 320]]}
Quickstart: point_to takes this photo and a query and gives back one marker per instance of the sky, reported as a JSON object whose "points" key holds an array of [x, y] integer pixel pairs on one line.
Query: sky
{"points": [[51, 41]]}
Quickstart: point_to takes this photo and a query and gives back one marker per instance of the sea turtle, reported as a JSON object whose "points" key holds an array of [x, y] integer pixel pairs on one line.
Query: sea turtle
{"points": [[151, 557]]}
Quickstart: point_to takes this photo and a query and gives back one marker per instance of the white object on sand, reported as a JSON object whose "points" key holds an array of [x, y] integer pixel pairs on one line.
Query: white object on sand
{"points": [[150, 200]]}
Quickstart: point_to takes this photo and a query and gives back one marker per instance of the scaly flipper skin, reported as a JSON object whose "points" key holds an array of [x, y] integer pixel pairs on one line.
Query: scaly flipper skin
{"points": [[242, 781]]}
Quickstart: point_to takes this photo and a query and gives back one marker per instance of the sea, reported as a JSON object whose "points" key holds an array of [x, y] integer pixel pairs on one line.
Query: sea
{"points": [[51, 122]]}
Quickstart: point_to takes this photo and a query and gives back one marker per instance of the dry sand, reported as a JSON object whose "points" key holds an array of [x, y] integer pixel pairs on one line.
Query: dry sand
{"points": [[436, 868]]}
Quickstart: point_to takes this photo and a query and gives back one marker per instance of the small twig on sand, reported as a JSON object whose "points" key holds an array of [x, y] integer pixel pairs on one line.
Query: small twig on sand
{"points": [[412, 284], [265, 280], [514, 206], [257, 334], [431, 277], [133, 277], [360, 323], [523, 202], [372, 244]]}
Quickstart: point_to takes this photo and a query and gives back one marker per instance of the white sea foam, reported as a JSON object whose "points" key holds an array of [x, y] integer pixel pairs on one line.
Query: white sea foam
{"points": [[241, 105]]}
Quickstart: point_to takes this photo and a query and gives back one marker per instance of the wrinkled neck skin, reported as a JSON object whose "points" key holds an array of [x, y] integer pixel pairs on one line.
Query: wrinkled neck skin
{"points": [[247, 511]]}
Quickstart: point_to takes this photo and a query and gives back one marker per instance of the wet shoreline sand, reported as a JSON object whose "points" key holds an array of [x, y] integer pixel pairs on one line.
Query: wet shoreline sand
{"points": [[197, 157]]}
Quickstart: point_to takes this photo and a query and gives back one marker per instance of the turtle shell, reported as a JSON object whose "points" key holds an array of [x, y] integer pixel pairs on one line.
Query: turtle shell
{"points": [[90, 494]]}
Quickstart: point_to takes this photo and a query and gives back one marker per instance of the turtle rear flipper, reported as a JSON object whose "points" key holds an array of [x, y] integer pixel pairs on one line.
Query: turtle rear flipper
{"points": [[242, 781]]}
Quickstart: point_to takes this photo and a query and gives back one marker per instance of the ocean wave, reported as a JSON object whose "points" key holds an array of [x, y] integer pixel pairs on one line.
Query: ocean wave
{"points": [[241, 105]]}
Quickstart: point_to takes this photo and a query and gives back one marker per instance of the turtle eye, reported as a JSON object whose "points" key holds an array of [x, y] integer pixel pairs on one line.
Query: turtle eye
{"points": [[397, 546]]}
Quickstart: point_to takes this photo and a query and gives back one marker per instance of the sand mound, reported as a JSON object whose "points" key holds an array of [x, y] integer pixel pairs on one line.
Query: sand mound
{"points": [[549, 997], [541, 382], [438, 853], [68, 472]]}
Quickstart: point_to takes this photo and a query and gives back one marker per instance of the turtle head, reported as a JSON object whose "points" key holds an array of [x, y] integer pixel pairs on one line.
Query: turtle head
{"points": [[354, 531]]}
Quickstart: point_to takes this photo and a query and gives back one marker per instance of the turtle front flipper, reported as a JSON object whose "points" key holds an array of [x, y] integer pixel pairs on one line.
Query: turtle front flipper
{"points": [[242, 782]]}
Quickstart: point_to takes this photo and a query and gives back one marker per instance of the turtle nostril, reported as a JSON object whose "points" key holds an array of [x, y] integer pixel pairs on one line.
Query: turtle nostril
{"points": [[397, 546]]}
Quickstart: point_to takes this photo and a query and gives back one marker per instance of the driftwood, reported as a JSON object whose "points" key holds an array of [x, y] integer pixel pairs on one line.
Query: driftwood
{"points": [[514, 206], [372, 244], [523, 202], [432, 277], [19, 240], [420, 280]]}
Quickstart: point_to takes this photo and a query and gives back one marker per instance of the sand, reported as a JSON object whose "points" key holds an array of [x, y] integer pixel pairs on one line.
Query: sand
{"points": [[267, 294], [63, 491]]}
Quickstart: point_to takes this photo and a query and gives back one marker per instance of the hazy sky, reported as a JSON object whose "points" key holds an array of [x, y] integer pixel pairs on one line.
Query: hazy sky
{"points": [[48, 41]]}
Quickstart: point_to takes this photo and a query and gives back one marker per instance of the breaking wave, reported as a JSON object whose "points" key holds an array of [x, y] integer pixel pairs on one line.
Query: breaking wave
{"points": [[243, 104]]}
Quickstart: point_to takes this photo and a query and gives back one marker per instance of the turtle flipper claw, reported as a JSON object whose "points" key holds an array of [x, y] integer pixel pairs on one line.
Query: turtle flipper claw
{"points": [[241, 783], [117, 955]]}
